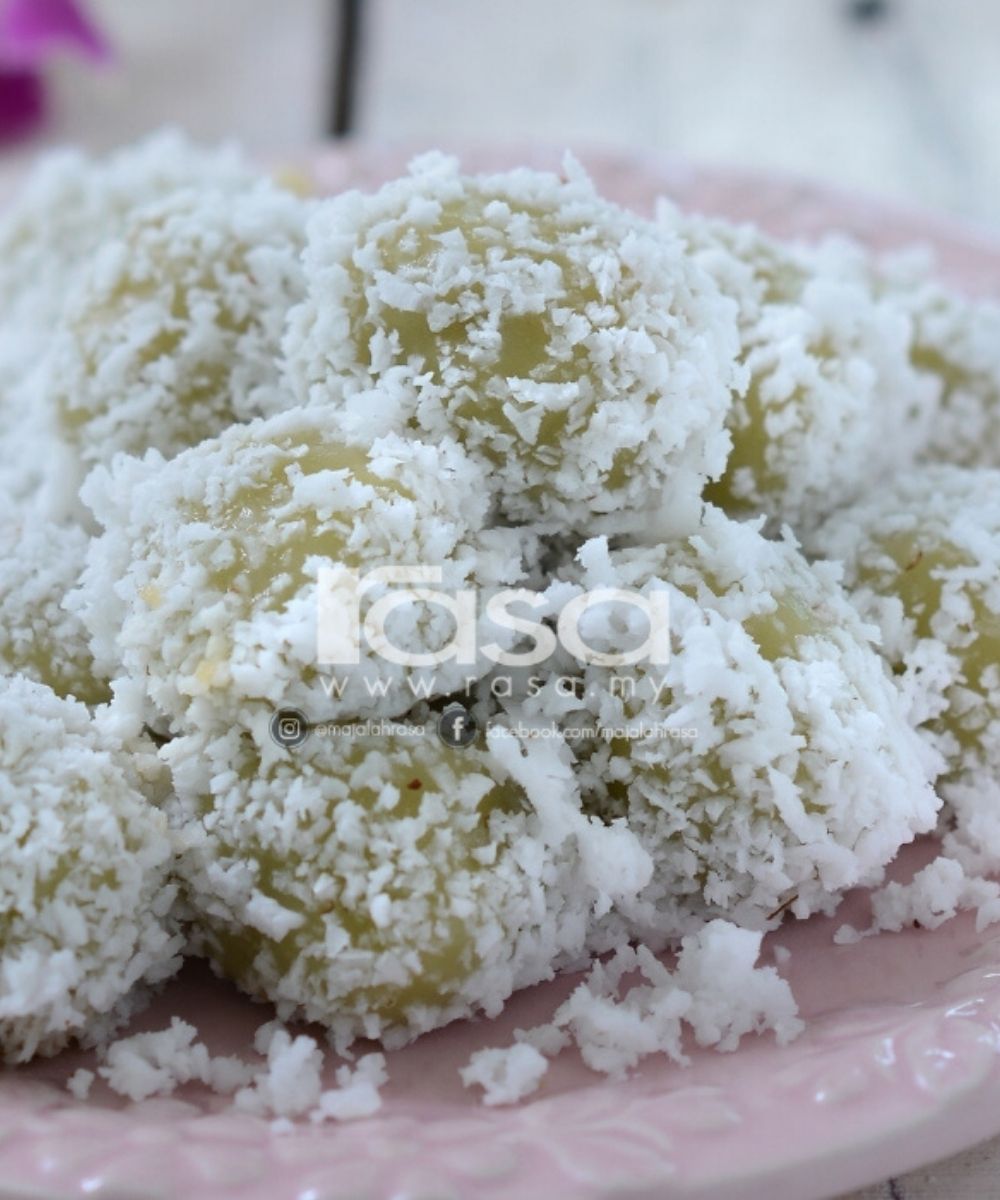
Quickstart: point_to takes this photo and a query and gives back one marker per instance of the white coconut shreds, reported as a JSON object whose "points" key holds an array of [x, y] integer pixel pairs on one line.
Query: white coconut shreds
{"points": [[205, 581], [28, 444], [380, 885], [288, 1085], [40, 563], [957, 341], [768, 765], [506, 1075], [576, 351], [84, 897], [156, 1064], [936, 893], [612, 861], [79, 1083], [831, 399], [923, 559], [717, 992], [67, 208], [487, 371], [173, 331], [69, 205], [291, 1086]]}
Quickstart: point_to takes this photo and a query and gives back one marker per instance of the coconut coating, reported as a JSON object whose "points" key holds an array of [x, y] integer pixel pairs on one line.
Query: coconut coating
{"points": [[40, 563], [955, 342], [28, 446], [576, 351], [68, 207], [84, 899], [769, 763], [174, 331], [70, 204], [830, 398], [380, 884], [922, 558], [204, 583]]}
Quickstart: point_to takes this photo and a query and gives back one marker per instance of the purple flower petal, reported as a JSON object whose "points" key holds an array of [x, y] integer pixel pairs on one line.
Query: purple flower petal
{"points": [[22, 103], [30, 30]]}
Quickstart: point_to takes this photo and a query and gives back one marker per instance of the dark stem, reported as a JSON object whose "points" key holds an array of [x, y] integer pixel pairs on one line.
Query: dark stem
{"points": [[345, 82], [868, 10]]}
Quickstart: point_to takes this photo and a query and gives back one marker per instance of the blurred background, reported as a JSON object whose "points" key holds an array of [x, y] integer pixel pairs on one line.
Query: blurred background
{"points": [[896, 97]]}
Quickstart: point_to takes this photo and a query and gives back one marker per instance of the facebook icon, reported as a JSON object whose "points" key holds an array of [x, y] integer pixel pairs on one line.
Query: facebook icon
{"points": [[457, 727]]}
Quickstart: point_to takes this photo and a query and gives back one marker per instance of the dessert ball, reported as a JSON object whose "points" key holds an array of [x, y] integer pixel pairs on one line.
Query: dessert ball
{"points": [[576, 352], [174, 331], [206, 583], [767, 762], [956, 343], [69, 205], [380, 884], [923, 559], [40, 564], [84, 898], [830, 399]]}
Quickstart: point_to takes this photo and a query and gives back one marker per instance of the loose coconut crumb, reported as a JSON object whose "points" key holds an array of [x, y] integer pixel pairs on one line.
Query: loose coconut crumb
{"points": [[357, 1091], [80, 1083], [289, 1085], [936, 894], [506, 1076], [156, 1064], [292, 1083], [716, 991]]}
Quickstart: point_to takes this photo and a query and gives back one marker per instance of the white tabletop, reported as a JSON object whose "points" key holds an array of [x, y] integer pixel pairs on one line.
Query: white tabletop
{"points": [[906, 106]]}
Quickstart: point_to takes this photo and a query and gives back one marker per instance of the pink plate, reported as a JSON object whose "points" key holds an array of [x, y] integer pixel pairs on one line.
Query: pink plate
{"points": [[899, 1064]]}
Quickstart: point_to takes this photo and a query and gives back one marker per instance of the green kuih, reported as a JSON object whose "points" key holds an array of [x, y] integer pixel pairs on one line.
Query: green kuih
{"points": [[52, 232], [828, 399], [381, 885], [174, 330], [955, 342], [40, 564], [85, 902], [768, 765], [577, 353], [205, 584], [922, 557]]}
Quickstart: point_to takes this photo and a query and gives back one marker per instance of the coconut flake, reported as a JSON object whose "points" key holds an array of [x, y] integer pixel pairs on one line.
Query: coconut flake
{"points": [[716, 991]]}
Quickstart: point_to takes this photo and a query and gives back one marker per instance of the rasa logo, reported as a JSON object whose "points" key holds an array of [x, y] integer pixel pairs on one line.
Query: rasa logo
{"points": [[346, 624]]}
